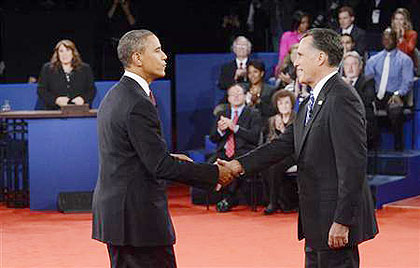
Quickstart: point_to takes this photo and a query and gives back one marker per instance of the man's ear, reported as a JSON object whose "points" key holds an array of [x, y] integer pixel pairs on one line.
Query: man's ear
{"points": [[137, 59], [322, 58]]}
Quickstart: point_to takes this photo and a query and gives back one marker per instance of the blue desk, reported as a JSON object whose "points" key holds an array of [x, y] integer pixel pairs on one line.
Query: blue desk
{"points": [[63, 157], [24, 97]]}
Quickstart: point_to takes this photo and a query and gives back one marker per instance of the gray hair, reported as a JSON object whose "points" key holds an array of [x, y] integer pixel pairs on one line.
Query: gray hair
{"points": [[242, 37], [353, 54], [130, 42], [327, 41]]}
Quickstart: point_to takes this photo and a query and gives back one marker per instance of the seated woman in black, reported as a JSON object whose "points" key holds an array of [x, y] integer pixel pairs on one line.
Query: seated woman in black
{"points": [[65, 79], [282, 192], [259, 93]]}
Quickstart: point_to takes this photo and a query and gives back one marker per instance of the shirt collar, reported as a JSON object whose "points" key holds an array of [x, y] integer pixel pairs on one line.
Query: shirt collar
{"points": [[392, 52], [239, 109], [238, 62], [139, 80], [348, 30], [317, 89]]}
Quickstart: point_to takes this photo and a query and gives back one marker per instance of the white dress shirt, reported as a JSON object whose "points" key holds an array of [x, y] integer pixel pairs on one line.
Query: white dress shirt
{"points": [[139, 80], [348, 30], [321, 83]]}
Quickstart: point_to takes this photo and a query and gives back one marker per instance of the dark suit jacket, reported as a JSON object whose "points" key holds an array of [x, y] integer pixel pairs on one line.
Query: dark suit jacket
{"points": [[365, 86], [52, 84], [359, 37], [227, 74], [246, 138], [331, 156], [129, 202], [265, 107]]}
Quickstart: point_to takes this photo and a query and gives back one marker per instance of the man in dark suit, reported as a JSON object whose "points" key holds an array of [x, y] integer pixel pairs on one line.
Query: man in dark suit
{"points": [[347, 26], [365, 86], [236, 131], [235, 71], [328, 139], [130, 210]]}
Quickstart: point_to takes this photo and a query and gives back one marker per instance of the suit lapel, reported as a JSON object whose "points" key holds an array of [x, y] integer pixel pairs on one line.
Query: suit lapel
{"points": [[243, 115], [319, 102]]}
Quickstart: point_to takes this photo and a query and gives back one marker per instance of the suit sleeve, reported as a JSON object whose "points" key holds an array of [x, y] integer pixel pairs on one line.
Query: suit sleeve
{"points": [[89, 89], [270, 153], [226, 78], [144, 133], [44, 91], [251, 134], [348, 134], [214, 134]]}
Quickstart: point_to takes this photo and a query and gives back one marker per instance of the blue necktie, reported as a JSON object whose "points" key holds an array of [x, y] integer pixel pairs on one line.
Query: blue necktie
{"points": [[309, 107]]}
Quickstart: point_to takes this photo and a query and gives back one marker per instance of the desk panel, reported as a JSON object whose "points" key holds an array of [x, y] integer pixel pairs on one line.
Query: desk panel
{"points": [[63, 157]]}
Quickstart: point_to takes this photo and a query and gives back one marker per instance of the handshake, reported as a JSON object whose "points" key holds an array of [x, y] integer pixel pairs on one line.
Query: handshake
{"points": [[228, 170]]}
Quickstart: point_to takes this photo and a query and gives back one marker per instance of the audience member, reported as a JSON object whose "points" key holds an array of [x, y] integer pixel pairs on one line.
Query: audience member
{"points": [[258, 24], [347, 42], [393, 72], [285, 76], [66, 79], [406, 36], [376, 17], [346, 21], [235, 71], [231, 27], [259, 93], [300, 25], [365, 86], [236, 131], [282, 192]]}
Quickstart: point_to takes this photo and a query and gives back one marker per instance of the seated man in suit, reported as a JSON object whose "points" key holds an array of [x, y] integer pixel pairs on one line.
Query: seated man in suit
{"points": [[365, 86], [393, 72], [347, 26], [236, 131], [235, 70]]}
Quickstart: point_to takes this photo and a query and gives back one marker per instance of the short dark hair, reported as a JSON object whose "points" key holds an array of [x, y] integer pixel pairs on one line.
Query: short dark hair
{"points": [[346, 9], [328, 41], [241, 85], [257, 64], [389, 31], [130, 42], [348, 35]]}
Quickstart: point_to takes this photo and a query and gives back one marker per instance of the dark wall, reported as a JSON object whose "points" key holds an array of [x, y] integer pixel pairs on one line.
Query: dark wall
{"points": [[30, 37]]}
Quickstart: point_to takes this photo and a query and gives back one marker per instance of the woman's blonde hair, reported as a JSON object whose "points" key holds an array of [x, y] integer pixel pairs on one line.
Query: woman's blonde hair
{"points": [[407, 18]]}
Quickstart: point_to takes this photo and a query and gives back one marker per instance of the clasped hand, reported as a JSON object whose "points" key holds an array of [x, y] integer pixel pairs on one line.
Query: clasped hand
{"points": [[225, 123], [228, 171]]}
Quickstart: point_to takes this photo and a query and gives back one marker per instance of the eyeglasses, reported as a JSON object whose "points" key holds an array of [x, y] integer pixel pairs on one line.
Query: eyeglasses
{"points": [[241, 46], [236, 95]]}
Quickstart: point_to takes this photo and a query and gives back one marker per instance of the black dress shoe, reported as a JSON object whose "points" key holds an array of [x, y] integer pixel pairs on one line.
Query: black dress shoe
{"points": [[270, 209]]}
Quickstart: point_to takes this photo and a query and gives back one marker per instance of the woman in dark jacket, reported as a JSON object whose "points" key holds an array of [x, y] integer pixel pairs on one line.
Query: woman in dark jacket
{"points": [[65, 79], [282, 192]]}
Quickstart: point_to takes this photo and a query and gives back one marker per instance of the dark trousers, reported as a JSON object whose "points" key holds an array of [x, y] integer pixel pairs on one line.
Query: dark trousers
{"points": [[347, 257], [282, 192], [141, 257], [395, 116]]}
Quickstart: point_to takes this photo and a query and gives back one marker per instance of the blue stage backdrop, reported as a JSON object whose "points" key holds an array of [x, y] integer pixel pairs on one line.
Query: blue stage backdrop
{"points": [[197, 93], [24, 97]]}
